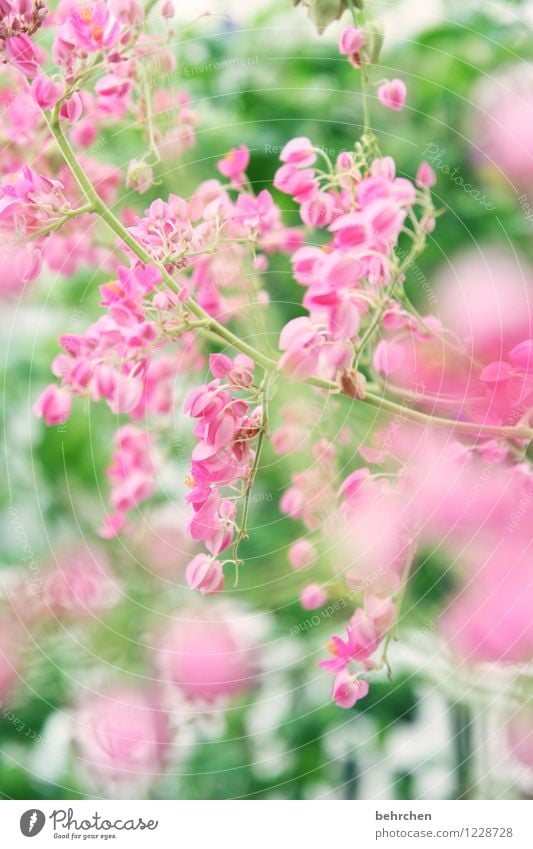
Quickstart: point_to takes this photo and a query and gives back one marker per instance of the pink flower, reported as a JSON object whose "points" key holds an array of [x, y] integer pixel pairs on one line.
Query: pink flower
{"points": [[23, 54], [392, 94], [302, 554], [302, 344], [122, 737], [206, 659], [205, 574], [425, 176], [255, 212], [72, 109], [348, 689], [298, 152], [362, 641], [388, 357], [318, 210], [81, 583], [45, 92], [93, 27], [313, 596], [54, 405], [234, 165], [351, 486], [290, 180], [350, 43]]}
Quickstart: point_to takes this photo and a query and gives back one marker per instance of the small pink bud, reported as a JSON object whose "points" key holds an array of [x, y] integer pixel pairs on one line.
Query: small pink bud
{"points": [[351, 41], [302, 554], [313, 596], [72, 109], [425, 176], [28, 263], [220, 365], [345, 161], [205, 574], [167, 9], [392, 94]]}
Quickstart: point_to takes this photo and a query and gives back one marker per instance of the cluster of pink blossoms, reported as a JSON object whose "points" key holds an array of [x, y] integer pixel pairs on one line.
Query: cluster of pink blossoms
{"points": [[365, 214], [226, 429], [190, 266]]}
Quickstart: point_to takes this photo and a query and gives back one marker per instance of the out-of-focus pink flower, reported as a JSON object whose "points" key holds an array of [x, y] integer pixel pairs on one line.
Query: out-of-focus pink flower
{"points": [[302, 554], [80, 583], [362, 641], [425, 176], [93, 27], [127, 11], [318, 210], [24, 54], [351, 40], [205, 574], [72, 109], [350, 43], [45, 92], [302, 343], [122, 737], [255, 212], [393, 94], [298, 152], [348, 689], [205, 659], [234, 165], [502, 126], [54, 405], [313, 596], [388, 357]]}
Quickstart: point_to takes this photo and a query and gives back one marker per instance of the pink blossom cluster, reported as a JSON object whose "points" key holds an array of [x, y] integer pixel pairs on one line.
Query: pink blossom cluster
{"points": [[226, 428], [365, 214], [180, 273], [435, 494], [131, 475], [126, 736]]}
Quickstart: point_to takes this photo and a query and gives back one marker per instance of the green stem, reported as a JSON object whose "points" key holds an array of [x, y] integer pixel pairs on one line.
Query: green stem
{"points": [[68, 216], [212, 325], [243, 534]]}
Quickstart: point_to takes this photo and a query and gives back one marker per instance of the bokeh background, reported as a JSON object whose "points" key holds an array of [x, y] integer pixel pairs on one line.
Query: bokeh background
{"points": [[257, 73]]}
